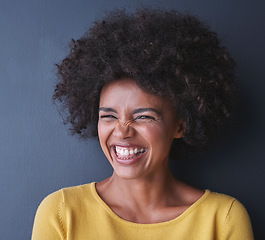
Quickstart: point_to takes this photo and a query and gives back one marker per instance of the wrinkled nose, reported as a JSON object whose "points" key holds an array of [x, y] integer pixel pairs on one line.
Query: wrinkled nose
{"points": [[123, 129]]}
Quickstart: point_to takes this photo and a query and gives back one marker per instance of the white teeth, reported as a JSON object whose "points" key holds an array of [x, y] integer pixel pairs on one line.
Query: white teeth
{"points": [[127, 152]]}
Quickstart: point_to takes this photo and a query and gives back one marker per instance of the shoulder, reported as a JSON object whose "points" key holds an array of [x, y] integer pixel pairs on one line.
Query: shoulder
{"points": [[222, 202], [65, 196], [219, 198], [220, 207], [230, 213], [51, 203], [76, 192], [55, 210]]}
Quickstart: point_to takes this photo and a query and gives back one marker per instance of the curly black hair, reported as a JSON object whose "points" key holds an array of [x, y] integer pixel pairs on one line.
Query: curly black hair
{"points": [[168, 54]]}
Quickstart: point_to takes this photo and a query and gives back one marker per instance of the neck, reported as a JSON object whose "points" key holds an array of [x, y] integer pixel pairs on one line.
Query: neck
{"points": [[142, 193], [152, 199]]}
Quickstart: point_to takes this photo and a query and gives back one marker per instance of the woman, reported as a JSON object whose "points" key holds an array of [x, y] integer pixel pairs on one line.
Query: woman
{"points": [[145, 83]]}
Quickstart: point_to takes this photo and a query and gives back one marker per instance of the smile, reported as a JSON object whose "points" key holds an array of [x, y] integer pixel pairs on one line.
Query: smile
{"points": [[128, 153]]}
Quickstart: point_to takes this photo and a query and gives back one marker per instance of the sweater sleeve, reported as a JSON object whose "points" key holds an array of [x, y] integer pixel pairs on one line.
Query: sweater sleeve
{"points": [[48, 223], [237, 223]]}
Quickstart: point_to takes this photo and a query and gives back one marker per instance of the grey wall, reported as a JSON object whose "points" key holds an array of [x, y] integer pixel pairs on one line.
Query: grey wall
{"points": [[38, 155]]}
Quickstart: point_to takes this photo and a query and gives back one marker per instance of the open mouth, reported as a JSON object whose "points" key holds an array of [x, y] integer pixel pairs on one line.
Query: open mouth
{"points": [[125, 153]]}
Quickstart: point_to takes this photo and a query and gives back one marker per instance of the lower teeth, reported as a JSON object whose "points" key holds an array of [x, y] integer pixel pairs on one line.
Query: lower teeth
{"points": [[136, 155]]}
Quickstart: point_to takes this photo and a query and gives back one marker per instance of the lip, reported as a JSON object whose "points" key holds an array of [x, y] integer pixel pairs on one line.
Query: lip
{"points": [[128, 145], [126, 161]]}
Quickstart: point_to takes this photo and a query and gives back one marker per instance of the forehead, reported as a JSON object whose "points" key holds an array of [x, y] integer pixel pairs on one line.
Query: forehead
{"points": [[127, 92]]}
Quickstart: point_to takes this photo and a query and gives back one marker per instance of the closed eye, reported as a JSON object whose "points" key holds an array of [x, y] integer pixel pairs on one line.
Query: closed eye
{"points": [[108, 116], [145, 117]]}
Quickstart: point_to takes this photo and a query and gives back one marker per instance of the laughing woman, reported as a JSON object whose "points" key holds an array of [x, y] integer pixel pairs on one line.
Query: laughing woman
{"points": [[144, 83]]}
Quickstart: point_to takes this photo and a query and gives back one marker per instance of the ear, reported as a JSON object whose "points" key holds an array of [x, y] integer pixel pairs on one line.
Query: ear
{"points": [[180, 129]]}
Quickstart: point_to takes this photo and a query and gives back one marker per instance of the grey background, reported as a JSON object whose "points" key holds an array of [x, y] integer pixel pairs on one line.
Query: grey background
{"points": [[39, 156]]}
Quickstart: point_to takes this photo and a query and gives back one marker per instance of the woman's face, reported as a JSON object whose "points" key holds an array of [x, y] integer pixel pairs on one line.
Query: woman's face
{"points": [[136, 129]]}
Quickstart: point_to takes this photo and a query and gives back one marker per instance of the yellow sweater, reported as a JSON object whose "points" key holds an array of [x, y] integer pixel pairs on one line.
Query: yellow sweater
{"points": [[78, 213]]}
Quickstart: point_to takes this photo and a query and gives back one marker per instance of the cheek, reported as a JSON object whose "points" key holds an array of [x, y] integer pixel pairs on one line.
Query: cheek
{"points": [[152, 132], [103, 132], [159, 136], [103, 135]]}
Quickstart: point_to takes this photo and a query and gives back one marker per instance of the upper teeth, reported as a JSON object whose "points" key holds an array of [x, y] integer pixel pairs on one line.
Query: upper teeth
{"points": [[126, 151]]}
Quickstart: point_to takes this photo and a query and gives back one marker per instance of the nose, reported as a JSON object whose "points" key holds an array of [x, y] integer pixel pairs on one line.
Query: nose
{"points": [[123, 129]]}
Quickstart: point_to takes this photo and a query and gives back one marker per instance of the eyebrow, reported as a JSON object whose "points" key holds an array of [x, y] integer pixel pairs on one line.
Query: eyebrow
{"points": [[138, 110], [106, 109]]}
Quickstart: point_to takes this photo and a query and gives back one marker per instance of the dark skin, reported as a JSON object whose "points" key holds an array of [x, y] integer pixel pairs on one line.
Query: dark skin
{"points": [[136, 130]]}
